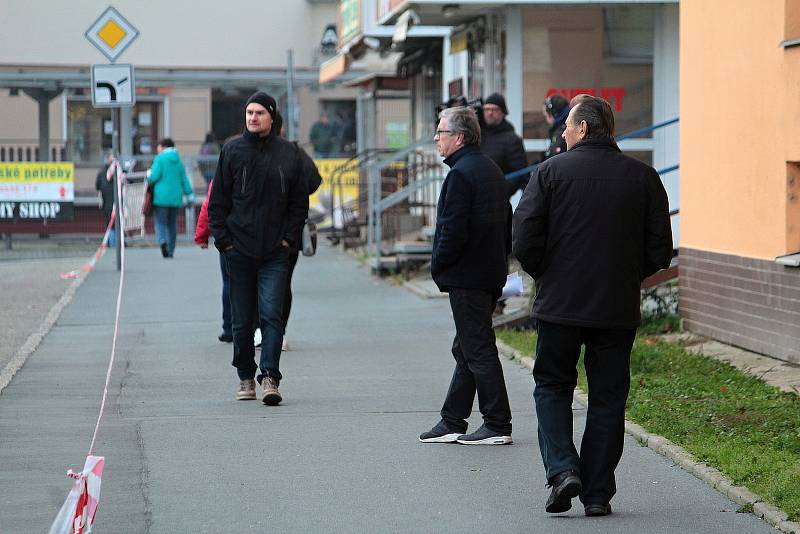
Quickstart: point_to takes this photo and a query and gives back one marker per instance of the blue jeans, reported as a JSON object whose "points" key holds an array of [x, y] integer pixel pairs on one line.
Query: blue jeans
{"points": [[166, 226], [257, 284], [607, 363], [226, 296]]}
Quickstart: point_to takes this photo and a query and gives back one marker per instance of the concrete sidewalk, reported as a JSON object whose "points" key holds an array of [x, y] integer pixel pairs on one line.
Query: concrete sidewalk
{"points": [[367, 373]]}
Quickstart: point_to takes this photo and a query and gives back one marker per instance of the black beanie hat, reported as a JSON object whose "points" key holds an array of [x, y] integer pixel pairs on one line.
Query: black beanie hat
{"points": [[498, 100], [260, 97]]}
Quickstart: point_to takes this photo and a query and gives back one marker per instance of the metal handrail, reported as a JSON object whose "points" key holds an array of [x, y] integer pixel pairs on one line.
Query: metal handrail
{"points": [[634, 133]]}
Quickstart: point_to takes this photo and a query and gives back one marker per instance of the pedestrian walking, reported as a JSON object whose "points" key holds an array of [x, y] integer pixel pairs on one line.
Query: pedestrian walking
{"points": [[591, 225], [256, 209], [201, 234], [470, 246], [104, 183], [168, 179]]}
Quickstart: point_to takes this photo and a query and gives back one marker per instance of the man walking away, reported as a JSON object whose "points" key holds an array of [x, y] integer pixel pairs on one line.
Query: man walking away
{"points": [[470, 245], [257, 207], [591, 225]]}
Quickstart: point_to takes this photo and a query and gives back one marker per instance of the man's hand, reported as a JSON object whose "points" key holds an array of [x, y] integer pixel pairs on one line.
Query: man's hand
{"points": [[284, 243]]}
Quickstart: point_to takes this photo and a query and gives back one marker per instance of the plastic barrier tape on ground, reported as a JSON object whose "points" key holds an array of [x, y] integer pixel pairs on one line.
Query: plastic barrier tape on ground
{"points": [[79, 509], [98, 253]]}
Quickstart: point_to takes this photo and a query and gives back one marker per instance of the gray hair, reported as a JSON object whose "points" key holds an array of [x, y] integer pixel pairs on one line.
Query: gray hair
{"points": [[463, 120]]}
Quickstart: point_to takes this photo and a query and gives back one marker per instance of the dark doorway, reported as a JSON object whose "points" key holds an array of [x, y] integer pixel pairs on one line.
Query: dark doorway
{"points": [[227, 111]]}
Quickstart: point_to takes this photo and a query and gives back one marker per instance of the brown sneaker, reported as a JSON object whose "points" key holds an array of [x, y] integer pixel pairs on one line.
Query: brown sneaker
{"points": [[247, 390], [271, 396]]}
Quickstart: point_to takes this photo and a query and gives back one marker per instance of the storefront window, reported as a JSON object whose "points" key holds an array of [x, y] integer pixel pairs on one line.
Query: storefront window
{"points": [[603, 51], [90, 129]]}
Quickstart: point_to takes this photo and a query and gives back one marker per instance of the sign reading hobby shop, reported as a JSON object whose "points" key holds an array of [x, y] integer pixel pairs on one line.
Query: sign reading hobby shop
{"points": [[37, 191]]}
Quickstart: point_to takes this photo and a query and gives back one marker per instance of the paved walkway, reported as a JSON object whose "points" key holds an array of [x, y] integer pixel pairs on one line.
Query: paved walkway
{"points": [[367, 372]]}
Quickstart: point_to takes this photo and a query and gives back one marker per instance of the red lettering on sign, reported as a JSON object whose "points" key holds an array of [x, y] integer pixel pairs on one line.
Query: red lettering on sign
{"points": [[614, 95]]}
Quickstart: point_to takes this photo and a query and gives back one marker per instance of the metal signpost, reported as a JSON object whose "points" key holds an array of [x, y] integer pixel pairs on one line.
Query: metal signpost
{"points": [[113, 86]]}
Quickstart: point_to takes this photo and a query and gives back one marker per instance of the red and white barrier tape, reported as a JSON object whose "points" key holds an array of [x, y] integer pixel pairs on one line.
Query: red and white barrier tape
{"points": [[78, 511]]}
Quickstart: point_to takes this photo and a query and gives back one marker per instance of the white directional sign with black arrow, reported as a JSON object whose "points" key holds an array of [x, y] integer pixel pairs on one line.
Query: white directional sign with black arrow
{"points": [[113, 86]]}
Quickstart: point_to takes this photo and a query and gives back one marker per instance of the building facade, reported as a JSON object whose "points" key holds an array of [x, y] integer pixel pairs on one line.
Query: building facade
{"points": [[195, 65], [740, 172]]}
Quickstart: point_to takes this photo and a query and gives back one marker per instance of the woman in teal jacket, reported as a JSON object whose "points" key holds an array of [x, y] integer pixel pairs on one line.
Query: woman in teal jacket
{"points": [[169, 182]]}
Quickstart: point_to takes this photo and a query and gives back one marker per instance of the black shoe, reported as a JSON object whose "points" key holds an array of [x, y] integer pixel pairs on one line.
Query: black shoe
{"points": [[164, 250], [595, 510], [225, 338], [439, 434], [566, 485], [484, 436]]}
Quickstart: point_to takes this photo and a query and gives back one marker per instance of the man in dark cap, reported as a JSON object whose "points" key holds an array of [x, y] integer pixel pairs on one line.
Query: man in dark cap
{"points": [[256, 210], [501, 143]]}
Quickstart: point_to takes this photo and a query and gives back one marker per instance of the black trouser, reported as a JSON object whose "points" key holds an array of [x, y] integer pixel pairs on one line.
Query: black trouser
{"points": [[477, 365], [607, 363], [287, 295]]}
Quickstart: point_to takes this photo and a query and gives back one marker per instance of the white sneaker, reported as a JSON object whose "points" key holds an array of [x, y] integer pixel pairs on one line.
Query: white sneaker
{"points": [[285, 344], [257, 338]]}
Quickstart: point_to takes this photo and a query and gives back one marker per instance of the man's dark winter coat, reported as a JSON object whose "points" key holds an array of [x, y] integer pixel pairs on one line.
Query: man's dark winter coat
{"points": [[259, 196], [503, 146], [591, 225], [471, 241]]}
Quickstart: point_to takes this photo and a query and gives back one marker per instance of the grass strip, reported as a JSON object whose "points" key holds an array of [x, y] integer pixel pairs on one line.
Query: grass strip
{"points": [[728, 419]]}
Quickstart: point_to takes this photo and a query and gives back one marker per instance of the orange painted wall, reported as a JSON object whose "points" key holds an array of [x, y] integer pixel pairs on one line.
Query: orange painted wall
{"points": [[740, 124]]}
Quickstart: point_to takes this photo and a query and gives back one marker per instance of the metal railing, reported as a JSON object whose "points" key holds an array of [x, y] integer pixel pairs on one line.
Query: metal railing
{"points": [[379, 204]]}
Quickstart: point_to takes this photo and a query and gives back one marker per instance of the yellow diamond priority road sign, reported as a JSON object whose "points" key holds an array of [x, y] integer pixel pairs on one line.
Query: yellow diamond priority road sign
{"points": [[111, 34]]}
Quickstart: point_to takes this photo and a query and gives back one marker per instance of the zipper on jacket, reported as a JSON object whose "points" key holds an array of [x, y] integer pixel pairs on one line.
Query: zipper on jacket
{"points": [[283, 185], [244, 178]]}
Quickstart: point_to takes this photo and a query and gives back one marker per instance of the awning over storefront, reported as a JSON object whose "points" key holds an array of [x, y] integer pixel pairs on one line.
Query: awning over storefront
{"points": [[334, 67], [450, 13]]}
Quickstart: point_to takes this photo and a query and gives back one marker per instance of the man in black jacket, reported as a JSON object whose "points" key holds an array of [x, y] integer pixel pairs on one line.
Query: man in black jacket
{"points": [[469, 262], [256, 211], [591, 225], [501, 144]]}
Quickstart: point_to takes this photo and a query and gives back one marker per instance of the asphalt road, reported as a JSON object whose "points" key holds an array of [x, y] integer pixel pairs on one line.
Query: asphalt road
{"points": [[367, 372]]}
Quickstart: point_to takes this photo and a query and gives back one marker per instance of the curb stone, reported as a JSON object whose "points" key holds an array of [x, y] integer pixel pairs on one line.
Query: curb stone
{"points": [[33, 341], [714, 478]]}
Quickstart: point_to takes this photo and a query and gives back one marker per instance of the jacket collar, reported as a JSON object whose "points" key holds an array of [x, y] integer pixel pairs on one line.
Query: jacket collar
{"points": [[460, 153], [596, 144], [503, 126], [257, 139]]}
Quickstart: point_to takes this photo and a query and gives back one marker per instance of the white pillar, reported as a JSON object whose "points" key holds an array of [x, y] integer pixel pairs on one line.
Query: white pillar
{"points": [[514, 67], [666, 103]]}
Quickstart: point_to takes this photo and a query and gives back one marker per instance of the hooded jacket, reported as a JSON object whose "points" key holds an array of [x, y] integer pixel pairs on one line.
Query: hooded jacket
{"points": [[258, 196], [168, 179], [591, 225], [470, 243]]}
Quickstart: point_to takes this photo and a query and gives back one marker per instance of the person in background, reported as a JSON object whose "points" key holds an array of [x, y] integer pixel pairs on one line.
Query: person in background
{"points": [[104, 183], [500, 142], [207, 162], [201, 234], [323, 136], [170, 184], [555, 110]]}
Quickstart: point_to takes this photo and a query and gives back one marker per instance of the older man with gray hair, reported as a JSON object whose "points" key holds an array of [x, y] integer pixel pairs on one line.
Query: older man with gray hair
{"points": [[470, 246]]}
